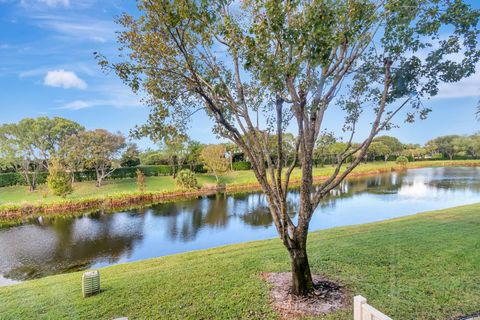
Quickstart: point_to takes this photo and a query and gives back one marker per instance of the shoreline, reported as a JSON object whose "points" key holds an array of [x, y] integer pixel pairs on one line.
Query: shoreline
{"points": [[349, 255], [14, 214]]}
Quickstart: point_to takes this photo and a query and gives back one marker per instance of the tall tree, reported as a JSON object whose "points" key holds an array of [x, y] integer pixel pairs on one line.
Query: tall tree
{"points": [[131, 156], [176, 150], [323, 145], [71, 155], [395, 147], [473, 145], [230, 149], [288, 60], [100, 148], [214, 158], [32, 143], [193, 153], [49, 135], [18, 150], [378, 149], [444, 145]]}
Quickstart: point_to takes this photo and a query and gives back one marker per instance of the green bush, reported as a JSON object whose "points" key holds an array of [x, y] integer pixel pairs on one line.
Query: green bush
{"points": [[10, 179], [15, 179], [59, 181], [186, 180], [402, 160], [242, 165]]}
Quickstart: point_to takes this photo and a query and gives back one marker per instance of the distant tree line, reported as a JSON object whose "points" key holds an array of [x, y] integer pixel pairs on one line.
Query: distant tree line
{"points": [[57, 145], [34, 147]]}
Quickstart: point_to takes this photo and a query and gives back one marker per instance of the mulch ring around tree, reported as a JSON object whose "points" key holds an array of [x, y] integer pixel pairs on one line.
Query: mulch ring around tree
{"points": [[475, 316], [326, 297]]}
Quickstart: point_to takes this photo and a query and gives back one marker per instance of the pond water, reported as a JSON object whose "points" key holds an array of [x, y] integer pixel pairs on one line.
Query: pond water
{"points": [[52, 246]]}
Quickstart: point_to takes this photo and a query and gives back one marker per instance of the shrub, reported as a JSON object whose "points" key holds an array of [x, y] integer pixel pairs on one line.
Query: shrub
{"points": [[186, 180], [59, 181], [242, 165], [402, 160], [14, 179], [10, 179]]}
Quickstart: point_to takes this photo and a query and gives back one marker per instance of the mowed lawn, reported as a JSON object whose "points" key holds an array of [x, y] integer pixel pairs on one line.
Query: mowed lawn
{"points": [[425, 266], [82, 190]]}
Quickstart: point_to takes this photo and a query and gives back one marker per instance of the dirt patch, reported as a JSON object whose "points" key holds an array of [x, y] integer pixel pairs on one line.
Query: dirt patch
{"points": [[327, 296]]}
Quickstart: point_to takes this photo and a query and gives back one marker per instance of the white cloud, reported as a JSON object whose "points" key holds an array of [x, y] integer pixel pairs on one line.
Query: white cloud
{"points": [[78, 105], [64, 79], [465, 88], [55, 3]]}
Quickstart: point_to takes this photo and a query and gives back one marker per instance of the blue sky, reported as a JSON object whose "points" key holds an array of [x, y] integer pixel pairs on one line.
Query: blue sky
{"points": [[47, 68]]}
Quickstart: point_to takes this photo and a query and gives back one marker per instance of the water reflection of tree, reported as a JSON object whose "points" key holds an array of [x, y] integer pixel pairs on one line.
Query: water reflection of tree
{"points": [[60, 245], [186, 218], [74, 244]]}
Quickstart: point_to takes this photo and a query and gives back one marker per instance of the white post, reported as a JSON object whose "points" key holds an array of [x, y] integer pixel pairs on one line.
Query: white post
{"points": [[358, 302]]}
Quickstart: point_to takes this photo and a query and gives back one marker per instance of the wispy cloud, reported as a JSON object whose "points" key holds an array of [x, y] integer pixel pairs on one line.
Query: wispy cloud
{"points": [[83, 67], [55, 4], [5, 46], [64, 79], [113, 95], [115, 103], [466, 88], [80, 28]]}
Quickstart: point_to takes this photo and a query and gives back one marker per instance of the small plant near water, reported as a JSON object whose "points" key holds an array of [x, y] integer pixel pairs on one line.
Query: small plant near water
{"points": [[402, 160], [140, 180], [59, 181], [186, 180]]}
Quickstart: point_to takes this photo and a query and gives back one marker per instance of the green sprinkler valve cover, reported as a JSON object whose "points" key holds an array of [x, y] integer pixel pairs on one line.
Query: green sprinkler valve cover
{"points": [[90, 283]]}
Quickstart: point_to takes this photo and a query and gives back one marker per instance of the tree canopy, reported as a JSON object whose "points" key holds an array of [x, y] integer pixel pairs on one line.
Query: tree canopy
{"points": [[292, 62]]}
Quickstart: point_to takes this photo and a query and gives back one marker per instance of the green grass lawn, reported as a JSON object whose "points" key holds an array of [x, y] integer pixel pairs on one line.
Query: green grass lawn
{"points": [[425, 266], [20, 194]]}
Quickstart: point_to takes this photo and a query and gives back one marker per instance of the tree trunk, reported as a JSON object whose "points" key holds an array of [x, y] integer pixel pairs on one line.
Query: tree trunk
{"points": [[302, 282], [99, 179]]}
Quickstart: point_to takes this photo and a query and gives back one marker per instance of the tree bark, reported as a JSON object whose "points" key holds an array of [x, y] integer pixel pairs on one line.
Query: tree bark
{"points": [[99, 179], [302, 282]]}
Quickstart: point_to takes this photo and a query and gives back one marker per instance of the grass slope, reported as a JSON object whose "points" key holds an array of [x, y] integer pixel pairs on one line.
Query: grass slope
{"points": [[83, 190], [425, 266]]}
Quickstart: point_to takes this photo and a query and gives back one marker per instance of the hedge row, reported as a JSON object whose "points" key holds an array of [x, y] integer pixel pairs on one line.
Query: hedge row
{"points": [[241, 165], [12, 179]]}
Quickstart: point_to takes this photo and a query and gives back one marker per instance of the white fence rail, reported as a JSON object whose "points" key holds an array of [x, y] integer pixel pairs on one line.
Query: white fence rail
{"points": [[364, 311]]}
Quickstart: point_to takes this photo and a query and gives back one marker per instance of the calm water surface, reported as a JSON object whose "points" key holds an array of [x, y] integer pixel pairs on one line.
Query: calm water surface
{"points": [[51, 246]]}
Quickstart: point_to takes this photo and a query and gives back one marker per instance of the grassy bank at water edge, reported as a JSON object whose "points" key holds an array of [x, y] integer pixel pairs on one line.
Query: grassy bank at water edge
{"points": [[17, 203], [425, 266]]}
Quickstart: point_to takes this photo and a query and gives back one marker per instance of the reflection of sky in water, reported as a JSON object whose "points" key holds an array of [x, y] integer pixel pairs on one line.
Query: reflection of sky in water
{"points": [[62, 245]]}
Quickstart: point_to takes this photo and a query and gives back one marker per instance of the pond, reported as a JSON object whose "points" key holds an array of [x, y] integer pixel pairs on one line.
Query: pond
{"points": [[52, 246]]}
